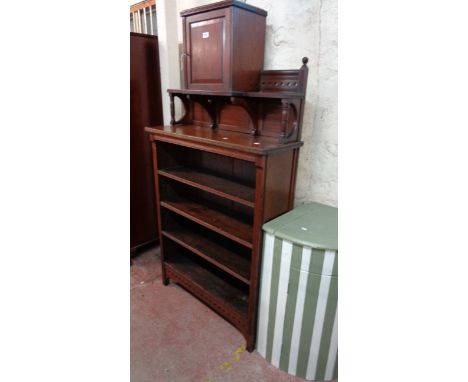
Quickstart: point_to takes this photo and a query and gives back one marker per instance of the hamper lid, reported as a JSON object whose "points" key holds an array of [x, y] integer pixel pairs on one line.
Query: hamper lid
{"points": [[314, 225]]}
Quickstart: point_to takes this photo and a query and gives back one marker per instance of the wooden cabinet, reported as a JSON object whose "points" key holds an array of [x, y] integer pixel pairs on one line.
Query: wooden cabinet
{"points": [[227, 166], [224, 46], [145, 109]]}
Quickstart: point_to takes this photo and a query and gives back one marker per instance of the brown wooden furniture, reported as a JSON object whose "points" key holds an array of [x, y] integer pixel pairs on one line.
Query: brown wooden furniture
{"points": [[221, 171], [214, 34], [145, 109]]}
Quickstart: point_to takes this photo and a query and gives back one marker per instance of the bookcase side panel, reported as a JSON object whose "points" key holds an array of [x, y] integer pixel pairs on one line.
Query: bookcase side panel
{"points": [[280, 176]]}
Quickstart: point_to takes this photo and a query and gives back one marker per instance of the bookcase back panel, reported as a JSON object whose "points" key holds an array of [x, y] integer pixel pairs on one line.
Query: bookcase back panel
{"points": [[173, 191], [177, 224], [234, 118], [238, 170], [271, 119], [200, 116], [222, 286]]}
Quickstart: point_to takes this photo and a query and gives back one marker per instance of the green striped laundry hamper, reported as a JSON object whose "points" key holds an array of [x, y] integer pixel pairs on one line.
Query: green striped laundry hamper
{"points": [[297, 321]]}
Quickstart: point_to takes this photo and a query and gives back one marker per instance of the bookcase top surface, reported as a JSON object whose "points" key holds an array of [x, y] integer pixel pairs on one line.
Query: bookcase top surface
{"points": [[223, 4], [258, 94], [259, 145]]}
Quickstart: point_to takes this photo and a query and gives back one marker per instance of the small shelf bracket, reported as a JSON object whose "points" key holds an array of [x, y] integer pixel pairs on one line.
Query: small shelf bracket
{"points": [[185, 101], [289, 129]]}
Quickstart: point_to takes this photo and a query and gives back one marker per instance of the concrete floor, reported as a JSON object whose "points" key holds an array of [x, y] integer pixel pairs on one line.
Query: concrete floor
{"points": [[176, 338]]}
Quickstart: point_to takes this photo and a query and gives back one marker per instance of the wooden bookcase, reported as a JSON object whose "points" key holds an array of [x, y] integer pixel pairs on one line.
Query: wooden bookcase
{"points": [[221, 171]]}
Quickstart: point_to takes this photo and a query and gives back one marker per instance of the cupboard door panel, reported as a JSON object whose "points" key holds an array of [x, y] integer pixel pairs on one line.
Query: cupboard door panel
{"points": [[208, 50]]}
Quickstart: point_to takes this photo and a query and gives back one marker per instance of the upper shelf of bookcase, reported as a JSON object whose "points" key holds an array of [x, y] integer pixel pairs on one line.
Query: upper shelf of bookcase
{"points": [[260, 94]]}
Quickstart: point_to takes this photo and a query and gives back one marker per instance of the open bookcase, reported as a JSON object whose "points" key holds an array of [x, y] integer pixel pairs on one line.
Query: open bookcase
{"points": [[223, 169]]}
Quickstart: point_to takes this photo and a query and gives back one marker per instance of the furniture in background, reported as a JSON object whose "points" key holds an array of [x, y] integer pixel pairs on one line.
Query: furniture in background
{"points": [[145, 109], [228, 165], [297, 320]]}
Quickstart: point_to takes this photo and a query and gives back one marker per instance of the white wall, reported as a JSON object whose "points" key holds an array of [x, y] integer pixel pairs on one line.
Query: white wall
{"points": [[294, 29], [166, 14]]}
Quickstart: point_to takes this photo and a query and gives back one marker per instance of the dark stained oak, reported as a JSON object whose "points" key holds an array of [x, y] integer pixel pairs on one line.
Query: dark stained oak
{"points": [[211, 183], [213, 252], [223, 224]]}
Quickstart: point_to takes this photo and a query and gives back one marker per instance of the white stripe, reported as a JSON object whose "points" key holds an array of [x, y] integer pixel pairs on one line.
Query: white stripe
{"points": [[144, 20], [320, 315], [140, 29], [285, 269], [265, 291], [151, 20], [299, 310], [135, 17], [329, 259], [141, 22], [333, 350]]}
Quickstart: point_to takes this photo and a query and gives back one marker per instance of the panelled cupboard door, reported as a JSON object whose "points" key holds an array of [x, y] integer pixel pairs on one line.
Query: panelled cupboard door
{"points": [[208, 50]]}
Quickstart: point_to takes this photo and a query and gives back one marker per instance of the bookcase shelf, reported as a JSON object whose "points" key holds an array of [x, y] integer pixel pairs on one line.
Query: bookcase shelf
{"points": [[215, 291], [215, 253], [225, 225], [217, 185]]}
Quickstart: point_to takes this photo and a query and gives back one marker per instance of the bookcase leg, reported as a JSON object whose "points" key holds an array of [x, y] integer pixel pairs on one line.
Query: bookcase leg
{"points": [[165, 281], [250, 345]]}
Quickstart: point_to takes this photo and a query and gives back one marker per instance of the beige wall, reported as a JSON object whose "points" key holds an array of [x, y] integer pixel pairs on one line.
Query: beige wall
{"points": [[294, 29]]}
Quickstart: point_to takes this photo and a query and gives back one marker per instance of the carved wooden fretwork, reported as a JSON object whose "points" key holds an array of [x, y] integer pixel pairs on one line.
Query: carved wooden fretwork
{"points": [[285, 81]]}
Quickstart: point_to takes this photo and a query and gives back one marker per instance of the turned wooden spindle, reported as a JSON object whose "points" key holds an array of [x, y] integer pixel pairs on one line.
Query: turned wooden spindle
{"points": [[171, 97], [284, 116]]}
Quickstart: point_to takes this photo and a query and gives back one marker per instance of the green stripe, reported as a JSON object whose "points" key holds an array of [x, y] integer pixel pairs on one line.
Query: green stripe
{"points": [[316, 262], [335, 370], [273, 295], [310, 305], [294, 274], [327, 328]]}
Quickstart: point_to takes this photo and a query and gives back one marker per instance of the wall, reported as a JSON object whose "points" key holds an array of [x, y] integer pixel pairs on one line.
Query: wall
{"points": [[294, 29]]}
